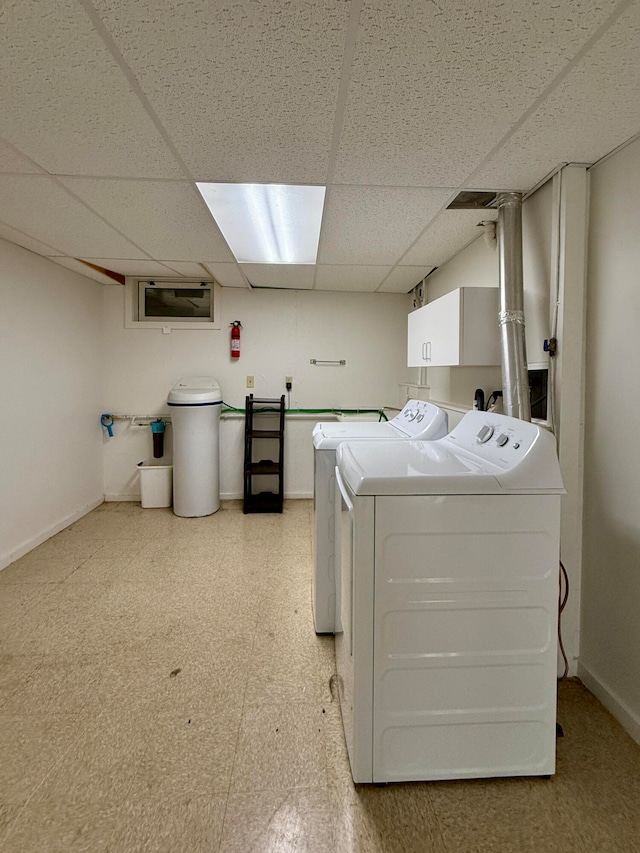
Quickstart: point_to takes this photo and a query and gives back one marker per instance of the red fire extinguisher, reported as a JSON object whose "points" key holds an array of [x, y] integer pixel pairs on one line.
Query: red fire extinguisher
{"points": [[235, 338]]}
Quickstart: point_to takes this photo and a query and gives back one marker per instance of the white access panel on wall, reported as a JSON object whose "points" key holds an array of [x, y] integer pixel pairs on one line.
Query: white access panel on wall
{"points": [[459, 328]]}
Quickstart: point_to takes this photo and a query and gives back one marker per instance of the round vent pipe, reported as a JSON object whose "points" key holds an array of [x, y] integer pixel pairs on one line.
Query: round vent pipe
{"points": [[515, 379]]}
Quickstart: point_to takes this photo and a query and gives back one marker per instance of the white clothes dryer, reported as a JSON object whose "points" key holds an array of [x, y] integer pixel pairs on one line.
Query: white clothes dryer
{"points": [[417, 420], [446, 642]]}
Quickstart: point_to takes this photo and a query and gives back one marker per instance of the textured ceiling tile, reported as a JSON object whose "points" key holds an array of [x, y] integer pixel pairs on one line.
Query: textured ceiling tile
{"points": [[167, 219], [375, 225], [350, 278], [187, 268], [404, 279], [594, 110], [293, 276], [12, 162], [134, 268], [39, 207], [83, 269], [446, 235], [246, 90], [20, 239], [228, 275], [66, 103], [434, 86]]}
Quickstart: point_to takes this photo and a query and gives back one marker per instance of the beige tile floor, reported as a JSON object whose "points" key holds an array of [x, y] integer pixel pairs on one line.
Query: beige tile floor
{"points": [[162, 689]]}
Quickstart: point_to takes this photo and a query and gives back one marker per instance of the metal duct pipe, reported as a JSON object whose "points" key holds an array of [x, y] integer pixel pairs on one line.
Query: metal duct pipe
{"points": [[515, 379]]}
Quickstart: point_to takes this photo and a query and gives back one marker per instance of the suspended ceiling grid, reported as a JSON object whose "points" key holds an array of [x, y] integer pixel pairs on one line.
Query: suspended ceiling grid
{"points": [[111, 110]]}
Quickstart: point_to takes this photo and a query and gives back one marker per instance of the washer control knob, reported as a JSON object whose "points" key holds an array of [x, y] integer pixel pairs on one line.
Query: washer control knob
{"points": [[412, 415], [516, 445], [501, 440], [484, 434], [420, 418]]}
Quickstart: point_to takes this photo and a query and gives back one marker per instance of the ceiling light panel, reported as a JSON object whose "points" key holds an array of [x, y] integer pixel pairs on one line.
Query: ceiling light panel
{"points": [[267, 223]]}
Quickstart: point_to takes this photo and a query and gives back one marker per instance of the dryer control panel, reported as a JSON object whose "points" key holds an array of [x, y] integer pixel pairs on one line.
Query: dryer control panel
{"points": [[416, 416], [499, 439]]}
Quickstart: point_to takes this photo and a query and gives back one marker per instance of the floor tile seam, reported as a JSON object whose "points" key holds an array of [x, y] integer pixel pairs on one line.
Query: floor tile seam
{"points": [[233, 763]]}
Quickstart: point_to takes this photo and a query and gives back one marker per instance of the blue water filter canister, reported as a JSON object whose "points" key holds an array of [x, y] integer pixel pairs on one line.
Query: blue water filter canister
{"points": [[157, 430]]}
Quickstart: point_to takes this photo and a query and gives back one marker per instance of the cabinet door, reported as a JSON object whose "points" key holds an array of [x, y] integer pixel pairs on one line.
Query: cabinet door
{"points": [[434, 333]]}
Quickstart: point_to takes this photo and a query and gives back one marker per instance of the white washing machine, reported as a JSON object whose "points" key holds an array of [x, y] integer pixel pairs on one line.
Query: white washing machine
{"points": [[417, 420], [446, 642]]}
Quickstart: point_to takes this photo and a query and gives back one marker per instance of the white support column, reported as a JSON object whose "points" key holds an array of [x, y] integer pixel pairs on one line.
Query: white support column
{"points": [[572, 222]]}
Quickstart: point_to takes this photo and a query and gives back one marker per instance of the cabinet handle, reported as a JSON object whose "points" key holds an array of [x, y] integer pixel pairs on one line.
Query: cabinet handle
{"points": [[426, 351]]}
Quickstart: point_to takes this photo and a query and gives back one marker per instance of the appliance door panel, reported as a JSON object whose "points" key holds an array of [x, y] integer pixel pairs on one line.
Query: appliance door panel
{"points": [[354, 624], [324, 578], [465, 636]]}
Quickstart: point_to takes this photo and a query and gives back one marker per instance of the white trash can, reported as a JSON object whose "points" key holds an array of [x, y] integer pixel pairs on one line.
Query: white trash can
{"points": [[196, 402], [156, 485]]}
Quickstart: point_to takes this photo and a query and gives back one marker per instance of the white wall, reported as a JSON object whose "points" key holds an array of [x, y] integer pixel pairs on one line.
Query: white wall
{"points": [[610, 650], [51, 355], [282, 331]]}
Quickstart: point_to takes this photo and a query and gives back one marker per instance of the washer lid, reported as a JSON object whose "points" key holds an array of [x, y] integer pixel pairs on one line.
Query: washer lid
{"points": [[328, 435], [194, 391], [418, 419], [485, 454]]}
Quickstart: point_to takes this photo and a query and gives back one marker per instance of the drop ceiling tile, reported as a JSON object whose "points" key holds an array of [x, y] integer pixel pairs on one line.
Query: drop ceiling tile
{"points": [[403, 279], [137, 267], [434, 86], [83, 269], [168, 219], [350, 278], [293, 276], [68, 105], [449, 232], [41, 208], [375, 225], [189, 269], [592, 112], [20, 239], [229, 275], [255, 83], [12, 162]]}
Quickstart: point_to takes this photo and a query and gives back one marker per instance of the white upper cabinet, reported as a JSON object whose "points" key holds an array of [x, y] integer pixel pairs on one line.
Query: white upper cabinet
{"points": [[460, 328]]}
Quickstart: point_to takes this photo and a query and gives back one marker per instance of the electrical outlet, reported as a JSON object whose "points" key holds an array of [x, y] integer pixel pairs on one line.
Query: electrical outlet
{"points": [[288, 380], [249, 381]]}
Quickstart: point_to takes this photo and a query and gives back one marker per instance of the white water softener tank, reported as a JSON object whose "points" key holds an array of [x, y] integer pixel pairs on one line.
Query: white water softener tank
{"points": [[195, 403]]}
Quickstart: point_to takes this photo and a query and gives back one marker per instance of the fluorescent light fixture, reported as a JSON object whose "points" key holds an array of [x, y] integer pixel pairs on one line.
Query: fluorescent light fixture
{"points": [[267, 223]]}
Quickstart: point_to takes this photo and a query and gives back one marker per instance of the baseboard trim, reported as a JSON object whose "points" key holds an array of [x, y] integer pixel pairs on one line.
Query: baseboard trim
{"points": [[224, 496], [611, 701], [15, 554]]}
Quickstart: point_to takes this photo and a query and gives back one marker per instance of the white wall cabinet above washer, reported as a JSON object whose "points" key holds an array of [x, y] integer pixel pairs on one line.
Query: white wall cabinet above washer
{"points": [[460, 328]]}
